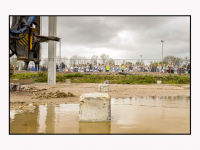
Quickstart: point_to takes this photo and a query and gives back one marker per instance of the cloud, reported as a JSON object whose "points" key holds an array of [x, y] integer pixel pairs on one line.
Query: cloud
{"points": [[122, 37]]}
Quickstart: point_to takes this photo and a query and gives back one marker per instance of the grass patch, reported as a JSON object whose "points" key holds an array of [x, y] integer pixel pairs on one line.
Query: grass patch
{"points": [[114, 79]]}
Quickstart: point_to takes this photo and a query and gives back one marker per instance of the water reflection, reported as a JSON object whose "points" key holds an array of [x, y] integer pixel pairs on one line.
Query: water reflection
{"points": [[128, 115], [94, 127]]}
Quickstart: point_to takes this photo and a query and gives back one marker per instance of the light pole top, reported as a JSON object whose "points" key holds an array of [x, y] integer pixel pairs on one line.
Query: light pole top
{"points": [[162, 41]]}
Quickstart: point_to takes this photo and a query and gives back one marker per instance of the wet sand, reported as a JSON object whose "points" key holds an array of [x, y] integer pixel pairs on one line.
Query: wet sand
{"points": [[116, 91]]}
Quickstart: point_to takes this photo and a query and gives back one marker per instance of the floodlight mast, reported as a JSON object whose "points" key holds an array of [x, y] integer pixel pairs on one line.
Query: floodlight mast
{"points": [[162, 48]]}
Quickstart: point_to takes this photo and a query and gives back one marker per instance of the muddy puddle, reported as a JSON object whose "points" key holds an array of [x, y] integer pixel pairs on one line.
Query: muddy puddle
{"points": [[134, 115]]}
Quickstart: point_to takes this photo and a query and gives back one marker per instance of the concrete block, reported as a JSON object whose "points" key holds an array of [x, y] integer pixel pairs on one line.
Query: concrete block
{"points": [[68, 81], [106, 82], [103, 88], [159, 82], [95, 107], [15, 86], [11, 86]]}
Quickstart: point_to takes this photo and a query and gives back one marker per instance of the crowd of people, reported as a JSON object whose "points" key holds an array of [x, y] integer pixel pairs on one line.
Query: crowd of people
{"points": [[169, 68]]}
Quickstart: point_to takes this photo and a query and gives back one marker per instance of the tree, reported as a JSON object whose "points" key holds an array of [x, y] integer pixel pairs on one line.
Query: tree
{"points": [[94, 59], [186, 60], [64, 60], [128, 63], [138, 62], [111, 61], [104, 58], [74, 60]]}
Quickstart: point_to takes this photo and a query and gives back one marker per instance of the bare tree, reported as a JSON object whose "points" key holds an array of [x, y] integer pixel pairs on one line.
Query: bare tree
{"points": [[187, 60], [111, 61], [74, 60], [94, 59], [104, 58]]}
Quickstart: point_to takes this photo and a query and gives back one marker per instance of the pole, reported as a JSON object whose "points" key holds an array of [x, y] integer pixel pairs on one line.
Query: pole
{"points": [[52, 51], [60, 54], [162, 51]]}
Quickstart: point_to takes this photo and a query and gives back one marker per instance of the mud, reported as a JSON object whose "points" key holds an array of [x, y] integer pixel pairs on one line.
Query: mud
{"points": [[116, 91]]}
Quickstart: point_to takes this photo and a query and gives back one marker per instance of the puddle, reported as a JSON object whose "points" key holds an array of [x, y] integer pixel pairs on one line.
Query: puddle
{"points": [[128, 115]]}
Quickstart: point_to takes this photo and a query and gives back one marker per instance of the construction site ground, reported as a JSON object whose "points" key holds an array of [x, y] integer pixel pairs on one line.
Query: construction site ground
{"points": [[26, 95]]}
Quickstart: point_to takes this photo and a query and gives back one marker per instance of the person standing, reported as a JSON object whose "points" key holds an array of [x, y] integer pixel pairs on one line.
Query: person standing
{"points": [[87, 67], [123, 68], [188, 68], [71, 68], [163, 68], [32, 68], [95, 67], [160, 68], [82, 68], [131, 67], [153, 68], [146, 68], [107, 67], [99, 67], [175, 69], [172, 68], [61, 65], [169, 68], [136, 68], [79, 68]]}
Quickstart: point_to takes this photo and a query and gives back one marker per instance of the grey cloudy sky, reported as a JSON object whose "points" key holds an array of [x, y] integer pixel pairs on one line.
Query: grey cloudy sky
{"points": [[121, 37]]}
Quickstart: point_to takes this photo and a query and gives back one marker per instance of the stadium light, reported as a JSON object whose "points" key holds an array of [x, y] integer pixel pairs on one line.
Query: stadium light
{"points": [[162, 48]]}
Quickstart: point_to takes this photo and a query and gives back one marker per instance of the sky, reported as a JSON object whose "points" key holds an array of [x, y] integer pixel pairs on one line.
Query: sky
{"points": [[121, 37]]}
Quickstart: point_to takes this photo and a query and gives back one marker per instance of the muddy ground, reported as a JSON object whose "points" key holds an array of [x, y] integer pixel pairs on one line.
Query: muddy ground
{"points": [[116, 91]]}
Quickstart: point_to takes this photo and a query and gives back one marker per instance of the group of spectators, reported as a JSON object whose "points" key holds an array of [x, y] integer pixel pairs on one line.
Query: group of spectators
{"points": [[169, 68], [32, 68]]}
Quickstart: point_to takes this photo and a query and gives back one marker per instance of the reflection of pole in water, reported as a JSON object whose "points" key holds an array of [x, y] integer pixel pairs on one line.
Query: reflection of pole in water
{"points": [[94, 127], [41, 118], [162, 110], [50, 119]]}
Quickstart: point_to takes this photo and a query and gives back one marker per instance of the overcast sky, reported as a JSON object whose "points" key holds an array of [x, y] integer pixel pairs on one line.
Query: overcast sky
{"points": [[121, 37]]}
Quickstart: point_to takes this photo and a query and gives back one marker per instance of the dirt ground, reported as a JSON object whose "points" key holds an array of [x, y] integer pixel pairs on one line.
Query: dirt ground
{"points": [[116, 91]]}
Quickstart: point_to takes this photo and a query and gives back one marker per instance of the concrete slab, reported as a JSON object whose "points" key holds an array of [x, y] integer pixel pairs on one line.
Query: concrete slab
{"points": [[68, 81], [15, 86], [106, 82], [159, 82], [103, 88]]}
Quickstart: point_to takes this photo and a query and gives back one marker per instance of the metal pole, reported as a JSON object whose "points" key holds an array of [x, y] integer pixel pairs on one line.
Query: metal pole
{"points": [[60, 55], [162, 50]]}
